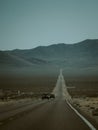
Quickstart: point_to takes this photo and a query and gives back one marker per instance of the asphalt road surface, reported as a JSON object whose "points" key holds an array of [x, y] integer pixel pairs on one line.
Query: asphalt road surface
{"points": [[54, 114]]}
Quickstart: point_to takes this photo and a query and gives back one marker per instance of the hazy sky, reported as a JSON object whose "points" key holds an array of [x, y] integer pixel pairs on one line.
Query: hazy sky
{"points": [[30, 23]]}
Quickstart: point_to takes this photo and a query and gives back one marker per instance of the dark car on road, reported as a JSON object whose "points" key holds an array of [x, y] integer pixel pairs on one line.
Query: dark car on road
{"points": [[45, 96], [48, 96]]}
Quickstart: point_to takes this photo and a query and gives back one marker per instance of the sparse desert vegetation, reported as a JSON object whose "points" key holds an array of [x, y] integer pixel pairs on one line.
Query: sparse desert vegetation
{"points": [[88, 105], [20, 86], [84, 92]]}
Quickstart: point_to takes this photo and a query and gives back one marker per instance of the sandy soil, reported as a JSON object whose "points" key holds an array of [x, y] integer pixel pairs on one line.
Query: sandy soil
{"points": [[87, 105]]}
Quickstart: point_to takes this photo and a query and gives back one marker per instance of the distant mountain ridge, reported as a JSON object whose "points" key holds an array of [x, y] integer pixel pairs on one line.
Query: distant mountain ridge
{"points": [[82, 54]]}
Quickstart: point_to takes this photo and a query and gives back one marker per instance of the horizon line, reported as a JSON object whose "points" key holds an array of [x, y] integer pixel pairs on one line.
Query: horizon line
{"points": [[46, 45]]}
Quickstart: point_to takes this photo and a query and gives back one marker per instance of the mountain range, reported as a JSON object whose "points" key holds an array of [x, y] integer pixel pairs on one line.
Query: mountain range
{"points": [[80, 56]]}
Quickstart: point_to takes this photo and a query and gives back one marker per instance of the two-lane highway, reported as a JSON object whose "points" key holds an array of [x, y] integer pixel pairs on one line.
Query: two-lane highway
{"points": [[54, 114]]}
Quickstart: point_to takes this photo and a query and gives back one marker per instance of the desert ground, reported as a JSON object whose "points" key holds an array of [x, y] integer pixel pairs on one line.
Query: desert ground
{"points": [[87, 105], [83, 90]]}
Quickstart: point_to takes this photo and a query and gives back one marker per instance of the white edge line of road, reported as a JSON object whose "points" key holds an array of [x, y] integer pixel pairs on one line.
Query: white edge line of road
{"points": [[83, 118]]}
